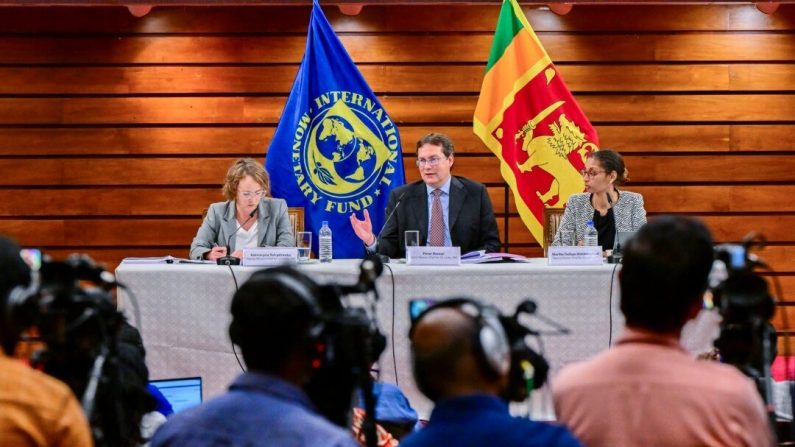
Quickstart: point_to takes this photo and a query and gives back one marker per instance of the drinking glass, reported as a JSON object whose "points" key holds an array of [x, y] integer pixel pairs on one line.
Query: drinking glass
{"points": [[303, 240], [567, 239], [412, 238]]}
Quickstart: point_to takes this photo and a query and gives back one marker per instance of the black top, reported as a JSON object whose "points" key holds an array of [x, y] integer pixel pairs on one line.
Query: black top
{"points": [[606, 227]]}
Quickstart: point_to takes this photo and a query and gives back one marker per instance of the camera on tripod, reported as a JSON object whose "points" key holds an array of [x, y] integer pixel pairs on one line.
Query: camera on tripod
{"points": [[70, 304], [747, 338], [349, 344]]}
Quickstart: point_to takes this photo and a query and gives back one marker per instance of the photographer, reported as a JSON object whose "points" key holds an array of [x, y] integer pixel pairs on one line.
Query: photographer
{"points": [[647, 390], [277, 323], [35, 409]]}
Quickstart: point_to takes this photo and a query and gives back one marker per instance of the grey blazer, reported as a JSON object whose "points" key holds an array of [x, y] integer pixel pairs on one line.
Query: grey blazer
{"points": [[273, 226], [628, 212]]}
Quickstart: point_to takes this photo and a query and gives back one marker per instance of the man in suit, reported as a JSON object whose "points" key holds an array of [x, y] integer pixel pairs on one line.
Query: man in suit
{"points": [[447, 210]]}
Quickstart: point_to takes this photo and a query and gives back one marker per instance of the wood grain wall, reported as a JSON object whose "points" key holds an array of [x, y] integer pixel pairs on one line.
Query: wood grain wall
{"points": [[115, 132]]}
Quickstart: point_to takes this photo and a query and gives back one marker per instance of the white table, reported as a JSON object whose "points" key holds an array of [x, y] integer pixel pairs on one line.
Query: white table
{"points": [[184, 311]]}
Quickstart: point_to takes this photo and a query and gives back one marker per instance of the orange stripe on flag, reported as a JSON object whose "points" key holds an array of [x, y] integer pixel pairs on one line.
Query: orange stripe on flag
{"points": [[522, 55]]}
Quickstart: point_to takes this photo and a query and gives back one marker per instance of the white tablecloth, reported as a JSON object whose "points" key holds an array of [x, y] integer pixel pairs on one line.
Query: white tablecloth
{"points": [[184, 311]]}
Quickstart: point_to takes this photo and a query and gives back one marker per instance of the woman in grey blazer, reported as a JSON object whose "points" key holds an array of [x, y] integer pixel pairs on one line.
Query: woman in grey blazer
{"points": [[262, 220], [611, 210]]}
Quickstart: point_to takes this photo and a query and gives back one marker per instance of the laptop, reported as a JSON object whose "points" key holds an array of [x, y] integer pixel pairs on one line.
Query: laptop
{"points": [[181, 393]]}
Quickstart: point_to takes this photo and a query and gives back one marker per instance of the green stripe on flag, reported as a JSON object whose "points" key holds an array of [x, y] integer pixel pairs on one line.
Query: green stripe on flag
{"points": [[508, 26]]}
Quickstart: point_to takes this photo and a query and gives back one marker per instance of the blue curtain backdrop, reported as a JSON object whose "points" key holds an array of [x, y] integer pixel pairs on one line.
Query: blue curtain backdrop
{"points": [[335, 151]]}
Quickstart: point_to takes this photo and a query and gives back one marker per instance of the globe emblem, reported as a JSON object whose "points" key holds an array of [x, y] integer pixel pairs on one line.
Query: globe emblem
{"points": [[351, 155]]}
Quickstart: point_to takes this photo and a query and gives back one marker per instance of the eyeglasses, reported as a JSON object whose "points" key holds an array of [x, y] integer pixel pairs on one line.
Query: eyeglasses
{"points": [[433, 161], [591, 173], [252, 194]]}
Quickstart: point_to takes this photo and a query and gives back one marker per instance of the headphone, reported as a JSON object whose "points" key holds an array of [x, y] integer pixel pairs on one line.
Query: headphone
{"points": [[490, 344], [317, 325], [500, 347]]}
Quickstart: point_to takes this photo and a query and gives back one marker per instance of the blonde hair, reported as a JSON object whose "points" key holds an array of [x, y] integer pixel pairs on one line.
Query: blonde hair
{"points": [[241, 168]]}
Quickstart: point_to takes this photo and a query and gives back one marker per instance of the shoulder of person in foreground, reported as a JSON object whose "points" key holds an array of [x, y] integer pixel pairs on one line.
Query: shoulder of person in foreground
{"points": [[48, 401], [546, 434], [210, 424]]}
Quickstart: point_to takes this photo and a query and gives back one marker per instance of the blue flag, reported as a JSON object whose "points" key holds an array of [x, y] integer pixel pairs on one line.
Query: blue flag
{"points": [[335, 151]]}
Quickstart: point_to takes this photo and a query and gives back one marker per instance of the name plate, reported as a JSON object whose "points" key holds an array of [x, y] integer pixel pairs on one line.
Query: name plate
{"points": [[433, 255], [260, 256], [574, 255]]}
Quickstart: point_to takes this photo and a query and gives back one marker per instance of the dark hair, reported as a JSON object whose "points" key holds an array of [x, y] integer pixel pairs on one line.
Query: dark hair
{"points": [[270, 319], [665, 272], [438, 139], [611, 161]]}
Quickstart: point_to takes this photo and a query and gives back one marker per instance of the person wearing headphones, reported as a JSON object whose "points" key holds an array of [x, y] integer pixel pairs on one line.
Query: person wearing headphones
{"points": [[35, 409], [462, 360], [610, 210], [275, 321]]}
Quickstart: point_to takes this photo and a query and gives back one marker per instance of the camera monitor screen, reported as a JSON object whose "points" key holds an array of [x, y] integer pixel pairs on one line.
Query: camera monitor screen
{"points": [[32, 257], [181, 393]]}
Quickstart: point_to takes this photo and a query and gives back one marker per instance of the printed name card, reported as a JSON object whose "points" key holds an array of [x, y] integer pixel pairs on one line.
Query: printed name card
{"points": [[574, 255], [262, 256], [433, 255]]}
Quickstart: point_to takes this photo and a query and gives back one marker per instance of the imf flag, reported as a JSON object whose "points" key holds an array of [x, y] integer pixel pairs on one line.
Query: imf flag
{"points": [[335, 151]]}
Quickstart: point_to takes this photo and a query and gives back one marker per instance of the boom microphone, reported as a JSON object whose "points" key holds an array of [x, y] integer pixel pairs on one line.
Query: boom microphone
{"points": [[229, 259]]}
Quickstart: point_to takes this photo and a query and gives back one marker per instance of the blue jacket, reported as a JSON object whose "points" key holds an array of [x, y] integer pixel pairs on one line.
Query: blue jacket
{"points": [[258, 410], [482, 420]]}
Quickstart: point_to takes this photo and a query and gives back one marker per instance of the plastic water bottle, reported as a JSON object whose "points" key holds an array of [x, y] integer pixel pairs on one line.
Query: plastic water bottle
{"points": [[324, 241], [591, 235]]}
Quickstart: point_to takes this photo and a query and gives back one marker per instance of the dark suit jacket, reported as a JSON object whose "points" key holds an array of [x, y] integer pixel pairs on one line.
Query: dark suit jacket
{"points": [[471, 220]]}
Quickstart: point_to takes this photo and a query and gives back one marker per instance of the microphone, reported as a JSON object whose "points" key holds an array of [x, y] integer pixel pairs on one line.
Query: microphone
{"points": [[229, 259], [385, 258], [529, 307]]}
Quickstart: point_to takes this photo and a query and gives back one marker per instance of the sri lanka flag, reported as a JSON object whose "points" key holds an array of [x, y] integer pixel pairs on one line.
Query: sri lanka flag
{"points": [[528, 118]]}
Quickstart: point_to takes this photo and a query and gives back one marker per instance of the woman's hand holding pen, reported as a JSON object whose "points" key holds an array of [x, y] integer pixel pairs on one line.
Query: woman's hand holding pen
{"points": [[216, 252]]}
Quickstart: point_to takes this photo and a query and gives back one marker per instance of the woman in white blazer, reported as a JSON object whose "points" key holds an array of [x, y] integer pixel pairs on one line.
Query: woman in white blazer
{"points": [[248, 215], [611, 210]]}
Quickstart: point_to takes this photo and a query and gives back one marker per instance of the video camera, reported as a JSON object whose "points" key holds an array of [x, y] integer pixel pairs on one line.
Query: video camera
{"points": [[70, 304], [747, 338], [350, 344]]}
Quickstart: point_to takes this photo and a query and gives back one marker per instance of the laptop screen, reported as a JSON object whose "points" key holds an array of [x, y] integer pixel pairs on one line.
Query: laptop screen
{"points": [[181, 393]]}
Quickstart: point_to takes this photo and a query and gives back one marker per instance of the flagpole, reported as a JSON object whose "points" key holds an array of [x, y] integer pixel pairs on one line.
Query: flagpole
{"points": [[506, 208]]}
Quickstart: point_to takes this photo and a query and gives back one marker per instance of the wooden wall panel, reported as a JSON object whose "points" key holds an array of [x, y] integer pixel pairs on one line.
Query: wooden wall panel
{"points": [[473, 18], [384, 79], [219, 139], [403, 109], [112, 126]]}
